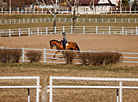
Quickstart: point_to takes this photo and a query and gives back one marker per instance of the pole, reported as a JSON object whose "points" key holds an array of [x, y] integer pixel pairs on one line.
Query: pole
{"points": [[28, 95], [117, 95], [10, 6]]}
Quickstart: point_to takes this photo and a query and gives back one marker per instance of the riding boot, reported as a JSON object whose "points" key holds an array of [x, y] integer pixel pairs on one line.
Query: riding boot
{"points": [[63, 47]]}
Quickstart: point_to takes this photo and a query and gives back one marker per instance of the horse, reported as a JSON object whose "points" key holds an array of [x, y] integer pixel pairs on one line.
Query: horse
{"points": [[59, 46]]}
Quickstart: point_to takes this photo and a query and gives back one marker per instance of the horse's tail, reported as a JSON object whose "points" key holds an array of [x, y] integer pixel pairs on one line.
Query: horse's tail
{"points": [[77, 47]]}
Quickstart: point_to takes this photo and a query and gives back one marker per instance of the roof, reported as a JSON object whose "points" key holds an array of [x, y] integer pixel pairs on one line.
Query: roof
{"points": [[85, 2], [88, 2]]}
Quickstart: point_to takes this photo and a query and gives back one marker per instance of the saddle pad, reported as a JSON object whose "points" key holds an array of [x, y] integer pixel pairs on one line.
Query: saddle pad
{"points": [[67, 44]]}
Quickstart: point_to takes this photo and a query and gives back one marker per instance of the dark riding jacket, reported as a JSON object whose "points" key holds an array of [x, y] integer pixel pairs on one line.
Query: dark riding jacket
{"points": [[64, 41]]}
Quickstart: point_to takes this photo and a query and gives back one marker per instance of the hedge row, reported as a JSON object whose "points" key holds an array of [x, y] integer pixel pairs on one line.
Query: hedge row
{"points": [[86, 58], [14, 55]]}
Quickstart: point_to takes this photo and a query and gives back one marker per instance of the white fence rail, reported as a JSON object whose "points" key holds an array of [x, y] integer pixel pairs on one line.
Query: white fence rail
{"points": [[23, 82], [69, 12], [111, 30], [47, 56], [57, 82], [88, 20]]}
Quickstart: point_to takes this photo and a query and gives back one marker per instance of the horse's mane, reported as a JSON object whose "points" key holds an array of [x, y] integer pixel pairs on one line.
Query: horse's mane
{"points": [[55, 40]]}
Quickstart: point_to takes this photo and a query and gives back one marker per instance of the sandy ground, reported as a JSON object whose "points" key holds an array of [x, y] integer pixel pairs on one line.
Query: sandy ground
{"points": [[119, 43]]}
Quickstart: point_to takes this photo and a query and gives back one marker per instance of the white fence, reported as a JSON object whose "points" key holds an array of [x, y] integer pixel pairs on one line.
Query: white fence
{"points": [[47, 56], [23, 82], [69, 12], [57, 82], [111, 30], [88, 20], [117, 85]]}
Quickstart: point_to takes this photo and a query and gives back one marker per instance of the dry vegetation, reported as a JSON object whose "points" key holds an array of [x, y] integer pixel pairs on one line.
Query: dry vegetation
{"points": [[45, 70], [71, 95]]}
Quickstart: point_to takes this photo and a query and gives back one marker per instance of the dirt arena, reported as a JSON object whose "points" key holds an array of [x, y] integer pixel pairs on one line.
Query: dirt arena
{"points": [[86, 42]]}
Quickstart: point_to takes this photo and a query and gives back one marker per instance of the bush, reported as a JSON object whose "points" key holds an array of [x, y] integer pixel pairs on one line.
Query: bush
{"points": [[10, 55], [84, 58], [96, 58], [69, 56], [34, 56], [102, 58]]}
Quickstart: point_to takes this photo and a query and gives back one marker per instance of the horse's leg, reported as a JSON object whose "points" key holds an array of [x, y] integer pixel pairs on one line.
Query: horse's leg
{"points": [[56, 53]]}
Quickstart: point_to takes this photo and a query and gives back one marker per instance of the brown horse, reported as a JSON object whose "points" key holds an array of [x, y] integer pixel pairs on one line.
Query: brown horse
{"points": [[58, 44]]}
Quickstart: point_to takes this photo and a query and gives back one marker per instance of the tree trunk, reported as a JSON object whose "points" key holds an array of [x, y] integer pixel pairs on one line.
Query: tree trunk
{"points": [[74, 17], [54, 21]]}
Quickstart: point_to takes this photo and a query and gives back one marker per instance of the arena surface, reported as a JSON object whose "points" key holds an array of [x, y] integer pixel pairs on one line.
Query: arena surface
{"points": [[86, 42]]}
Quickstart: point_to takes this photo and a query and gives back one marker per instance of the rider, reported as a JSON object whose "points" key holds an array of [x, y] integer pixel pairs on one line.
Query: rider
{"points": [[64, 41]]}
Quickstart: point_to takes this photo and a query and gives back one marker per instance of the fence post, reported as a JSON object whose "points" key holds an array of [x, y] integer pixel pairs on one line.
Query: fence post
{"points": [[23, 20], [55, 30], [136, 31], [10, 21], [19, 20], [9, 32], [14, 20], [51, 89], [83, 29], [122, 30], [120, 91], [36, 20], [28, 31], [96, 29], [23, 54], [44, 55], [122, 20], [46, 31], [32, 20], [28, 95], [19, 32], [5, 21], [109, 30], [63, 29], [89, 19], [71, 29], [44, 19], [28, 20], [65, 20], [44, 94], [0, 21], [96, 20], [37, 30], [135, 20]]}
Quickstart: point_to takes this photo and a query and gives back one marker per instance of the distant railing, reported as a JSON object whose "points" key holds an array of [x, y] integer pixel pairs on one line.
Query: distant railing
{"points": [[69, 12], [111, 30], [47, 56], [88, 20]]}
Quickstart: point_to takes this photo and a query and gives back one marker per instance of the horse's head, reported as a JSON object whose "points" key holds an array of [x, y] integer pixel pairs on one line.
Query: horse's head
{"points": [[53, 43]]}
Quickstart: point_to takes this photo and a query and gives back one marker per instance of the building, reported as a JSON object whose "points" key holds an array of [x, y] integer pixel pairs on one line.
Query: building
{"points": [[94, 6]]}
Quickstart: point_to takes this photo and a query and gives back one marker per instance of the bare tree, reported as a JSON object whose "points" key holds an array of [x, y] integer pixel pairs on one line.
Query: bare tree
{"points": [[54, 10], [74, 6]]}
